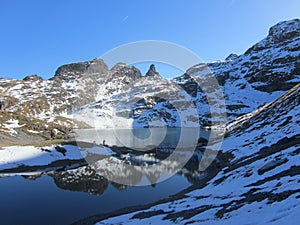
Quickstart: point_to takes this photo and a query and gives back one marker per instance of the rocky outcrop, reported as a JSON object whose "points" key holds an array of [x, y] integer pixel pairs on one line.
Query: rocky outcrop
{"points": [[96, 67], [7, 101], [33, 78], [121, 70], [232, 56]]}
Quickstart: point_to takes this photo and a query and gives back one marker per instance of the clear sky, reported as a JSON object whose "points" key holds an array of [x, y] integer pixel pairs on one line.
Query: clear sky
{"points": [[37, 36]]}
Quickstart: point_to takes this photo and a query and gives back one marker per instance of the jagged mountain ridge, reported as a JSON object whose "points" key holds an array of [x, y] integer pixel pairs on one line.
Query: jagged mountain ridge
{"points": [[31, 101], [263, 73]]}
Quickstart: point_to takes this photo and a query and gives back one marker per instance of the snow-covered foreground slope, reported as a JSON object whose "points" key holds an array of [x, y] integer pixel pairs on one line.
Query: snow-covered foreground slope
{"points": [[260, 184], [28, 158]]}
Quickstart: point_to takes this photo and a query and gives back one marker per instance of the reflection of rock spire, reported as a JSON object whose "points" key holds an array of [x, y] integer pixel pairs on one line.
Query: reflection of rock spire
{"points": [[119, 186], [153, 177]]}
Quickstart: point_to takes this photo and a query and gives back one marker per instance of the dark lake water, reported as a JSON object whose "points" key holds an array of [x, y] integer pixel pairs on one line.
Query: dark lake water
{"points": [[40, 201], [63, 197]]}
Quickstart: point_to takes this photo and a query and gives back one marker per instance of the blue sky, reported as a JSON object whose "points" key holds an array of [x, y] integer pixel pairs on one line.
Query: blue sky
{"points": [[37, 36]]}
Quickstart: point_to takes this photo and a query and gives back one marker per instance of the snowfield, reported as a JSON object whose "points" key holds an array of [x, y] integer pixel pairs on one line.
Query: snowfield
{"points": [[16, 156]]}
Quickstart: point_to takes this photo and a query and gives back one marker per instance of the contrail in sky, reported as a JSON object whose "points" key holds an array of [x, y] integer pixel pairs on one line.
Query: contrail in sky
{"points": [[125, 18]]}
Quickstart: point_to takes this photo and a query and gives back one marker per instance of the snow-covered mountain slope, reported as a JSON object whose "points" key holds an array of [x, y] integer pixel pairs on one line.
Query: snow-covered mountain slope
{"points": [[50, 101], [259, 185], [260, 75], [148, 101], [39, 106], [71, 86]]}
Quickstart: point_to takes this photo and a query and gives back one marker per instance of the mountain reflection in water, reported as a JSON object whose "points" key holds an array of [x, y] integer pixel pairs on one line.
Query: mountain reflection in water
{"points": [[90, 179]]}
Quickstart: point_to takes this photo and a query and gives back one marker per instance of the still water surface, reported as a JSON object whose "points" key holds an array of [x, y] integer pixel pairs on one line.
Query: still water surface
{"points": [[46, 199], [40, 201]]}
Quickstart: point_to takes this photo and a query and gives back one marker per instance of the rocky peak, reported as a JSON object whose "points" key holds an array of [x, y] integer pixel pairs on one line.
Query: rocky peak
{"points": [[97, 66], [285, 30], [33, 77], [74, 70], [152, 71], [232, 56], [279, 34], [118, 67], [122, 70]]}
